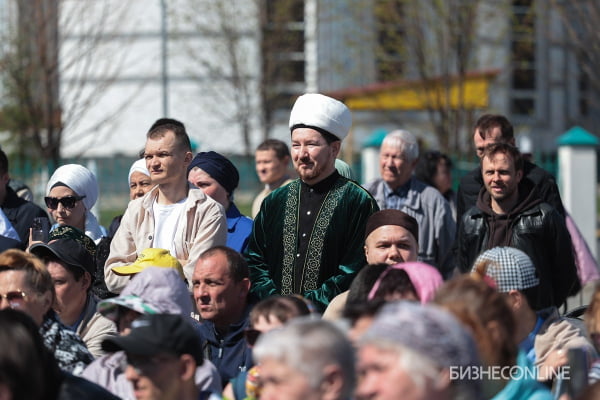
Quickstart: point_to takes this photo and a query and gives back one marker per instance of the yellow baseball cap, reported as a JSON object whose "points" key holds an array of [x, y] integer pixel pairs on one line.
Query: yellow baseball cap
{"points": [[152, 257]]}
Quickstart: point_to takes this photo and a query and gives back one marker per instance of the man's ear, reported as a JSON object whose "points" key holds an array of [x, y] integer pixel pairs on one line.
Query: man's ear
{"points": [[4, 178], [514, 299], [86, 280], [245, 286], [443, 380], [187, 366], [519, 175], [188, 157], [413, 164], [335, 147], [333, 383]]}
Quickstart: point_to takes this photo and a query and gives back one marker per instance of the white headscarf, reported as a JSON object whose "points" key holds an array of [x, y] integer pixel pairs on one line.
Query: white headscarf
{"points": [[79, 179], [83, 182], [138, 166]]}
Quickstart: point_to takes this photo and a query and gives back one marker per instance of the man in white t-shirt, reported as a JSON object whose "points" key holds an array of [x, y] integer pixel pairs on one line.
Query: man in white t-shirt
{"points": [[174, 215]]}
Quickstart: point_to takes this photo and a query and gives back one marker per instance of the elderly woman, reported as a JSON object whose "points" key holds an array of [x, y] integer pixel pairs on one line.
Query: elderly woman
{"points": [[218, 178], [139, 184], [26, 285], [71, 193], [70, 261], [409, 351]]}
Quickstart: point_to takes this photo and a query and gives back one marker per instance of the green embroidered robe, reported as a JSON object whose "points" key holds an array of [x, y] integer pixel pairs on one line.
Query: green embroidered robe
{"points": [[336, 247]]}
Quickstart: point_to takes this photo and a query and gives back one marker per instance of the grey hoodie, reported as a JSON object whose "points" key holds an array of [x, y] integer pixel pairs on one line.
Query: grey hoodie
{"points": [[152, 291]]}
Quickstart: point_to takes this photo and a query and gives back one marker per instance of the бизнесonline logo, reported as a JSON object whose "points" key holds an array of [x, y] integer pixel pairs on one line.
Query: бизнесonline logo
{"points": [[495, 372]]}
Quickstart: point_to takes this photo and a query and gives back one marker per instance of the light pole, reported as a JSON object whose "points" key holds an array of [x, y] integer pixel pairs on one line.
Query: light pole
{"points": [[164, 72]]}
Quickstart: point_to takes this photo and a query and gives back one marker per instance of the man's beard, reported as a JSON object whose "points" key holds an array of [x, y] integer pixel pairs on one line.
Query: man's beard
{"points": [[313, 172]]}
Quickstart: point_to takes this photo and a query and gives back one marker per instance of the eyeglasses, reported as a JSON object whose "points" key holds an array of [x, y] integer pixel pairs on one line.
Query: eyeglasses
{"points": [[14, 298], [67, 201]]}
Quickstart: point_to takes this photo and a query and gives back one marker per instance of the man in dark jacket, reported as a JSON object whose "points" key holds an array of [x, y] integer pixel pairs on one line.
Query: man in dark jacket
{"points": [[19, 212], [509, 212], [221, 284], [497, 129]]}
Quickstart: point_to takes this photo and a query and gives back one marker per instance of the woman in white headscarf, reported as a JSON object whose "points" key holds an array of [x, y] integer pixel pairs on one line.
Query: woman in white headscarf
{"points": [[71, 193], [139, 184]]}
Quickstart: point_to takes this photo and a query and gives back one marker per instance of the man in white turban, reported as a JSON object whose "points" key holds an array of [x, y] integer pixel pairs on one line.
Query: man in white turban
{"points": [[309, 235]]}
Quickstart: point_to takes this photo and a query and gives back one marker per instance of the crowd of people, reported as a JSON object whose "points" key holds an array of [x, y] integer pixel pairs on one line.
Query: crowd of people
{"points": [[399, 288]]}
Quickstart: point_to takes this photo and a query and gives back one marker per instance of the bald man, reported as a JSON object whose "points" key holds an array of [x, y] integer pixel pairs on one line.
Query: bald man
{"points": [[390, 238]]}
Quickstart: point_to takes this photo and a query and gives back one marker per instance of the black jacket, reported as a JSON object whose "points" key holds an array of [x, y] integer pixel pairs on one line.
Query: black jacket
{"points": [[538, 230], [544, 183], [21, 213]]}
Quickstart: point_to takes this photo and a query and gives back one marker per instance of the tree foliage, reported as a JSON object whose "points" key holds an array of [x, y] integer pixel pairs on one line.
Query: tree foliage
{"points": [[51, 54]]}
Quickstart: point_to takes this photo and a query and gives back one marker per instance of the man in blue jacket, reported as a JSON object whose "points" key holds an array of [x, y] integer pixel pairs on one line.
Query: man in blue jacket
{"points": [[220, 285]]}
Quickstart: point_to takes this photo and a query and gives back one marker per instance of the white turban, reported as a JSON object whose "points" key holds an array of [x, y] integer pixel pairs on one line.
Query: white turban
{"points": [[318, 111], [138, 166], [79, 179]]}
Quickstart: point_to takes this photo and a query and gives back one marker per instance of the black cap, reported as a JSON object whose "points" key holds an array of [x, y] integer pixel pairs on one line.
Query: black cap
{"points": [[158, 333], [67, 250]]}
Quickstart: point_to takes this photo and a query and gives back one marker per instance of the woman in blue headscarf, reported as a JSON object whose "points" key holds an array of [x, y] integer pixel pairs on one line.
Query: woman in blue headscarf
{"points": [[218, 178]]}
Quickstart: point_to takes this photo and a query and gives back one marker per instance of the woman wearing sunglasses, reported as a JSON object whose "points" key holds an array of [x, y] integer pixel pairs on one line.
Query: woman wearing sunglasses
{"points": [[71, 193]]}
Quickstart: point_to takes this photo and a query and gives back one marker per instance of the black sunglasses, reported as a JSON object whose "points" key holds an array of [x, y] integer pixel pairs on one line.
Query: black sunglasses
{"points": [[67, 201]]}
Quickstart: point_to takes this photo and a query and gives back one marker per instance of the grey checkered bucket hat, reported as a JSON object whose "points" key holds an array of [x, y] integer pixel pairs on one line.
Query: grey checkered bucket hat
{"points": [[510, 268]]}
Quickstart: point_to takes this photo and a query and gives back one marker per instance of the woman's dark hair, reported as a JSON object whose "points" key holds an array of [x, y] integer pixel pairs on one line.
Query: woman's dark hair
{"points": [[283, 308], [479, 307], [427, 166], [363, 282], [395, 281], [27, 368]]}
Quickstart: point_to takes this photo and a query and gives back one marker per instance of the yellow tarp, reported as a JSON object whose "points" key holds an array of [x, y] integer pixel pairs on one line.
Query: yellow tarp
{"points": [[419, 96]]}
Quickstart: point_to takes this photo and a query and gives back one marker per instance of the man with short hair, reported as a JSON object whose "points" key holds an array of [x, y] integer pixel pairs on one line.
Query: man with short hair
{"points": [[220, 285], [163, 352], [71, 266], [20, 212], [308, 236], [306, 359], [174, 215], [510, 213], [543, 336], [494, 128], [272, 158], [399, 189]]}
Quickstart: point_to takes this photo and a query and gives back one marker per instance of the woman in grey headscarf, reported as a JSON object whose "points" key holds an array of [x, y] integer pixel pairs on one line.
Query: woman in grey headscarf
{"points": [[71, 193]]}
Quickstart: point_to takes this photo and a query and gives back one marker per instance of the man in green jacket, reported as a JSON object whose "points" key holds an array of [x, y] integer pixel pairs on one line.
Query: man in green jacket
{"points": [[308, 237]]}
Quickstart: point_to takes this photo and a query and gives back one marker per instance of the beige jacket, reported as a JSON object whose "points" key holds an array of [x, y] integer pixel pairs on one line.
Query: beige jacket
{"points": [[94, 328], [560, 333], [202, 225], [264, 193]]}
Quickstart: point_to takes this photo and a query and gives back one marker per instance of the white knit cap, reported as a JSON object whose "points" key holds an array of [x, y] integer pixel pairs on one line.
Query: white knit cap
{"points": [[138, 166], [319, 111], [79, 179]]}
